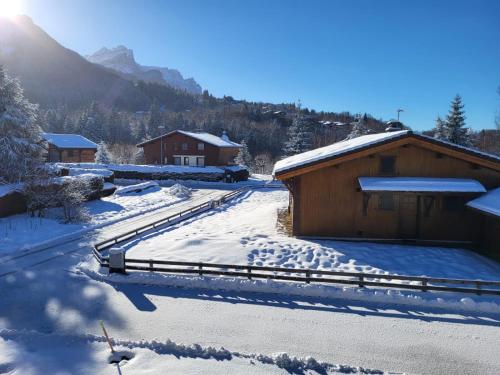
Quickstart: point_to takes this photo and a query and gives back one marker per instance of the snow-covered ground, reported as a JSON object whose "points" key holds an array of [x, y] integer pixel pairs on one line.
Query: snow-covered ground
{"points": [[22, 231], [246, 232]]}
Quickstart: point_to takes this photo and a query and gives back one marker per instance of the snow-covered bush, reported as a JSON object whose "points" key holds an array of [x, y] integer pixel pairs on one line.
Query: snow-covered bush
{"points": [[70, 196], [39, 193], [137, 188], [180, 191], [20, 135]]}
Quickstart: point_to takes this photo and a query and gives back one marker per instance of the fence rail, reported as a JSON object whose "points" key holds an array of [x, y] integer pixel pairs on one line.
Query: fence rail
{"points": [[360, 279], [103, 245]]}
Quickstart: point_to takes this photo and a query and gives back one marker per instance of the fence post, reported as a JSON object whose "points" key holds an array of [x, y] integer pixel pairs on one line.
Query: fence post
{"points": [[151, 265], [478, 287], [361, 281], [200, 269], [424, 285], [116, 260], [308, 276], [249, 273]]}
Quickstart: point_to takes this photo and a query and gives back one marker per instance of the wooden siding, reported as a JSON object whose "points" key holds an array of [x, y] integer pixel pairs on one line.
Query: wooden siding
{"points": [[329, 202], [75, 155], [172, 145]]}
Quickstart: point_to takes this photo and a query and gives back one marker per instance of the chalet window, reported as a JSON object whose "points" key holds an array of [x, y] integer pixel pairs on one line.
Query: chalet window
{"points": [[200, 161], [388, 165], [386, 202], [201, 146], [176, 146], [184, 146], [453, 203], [186, 160], [177, 160]]}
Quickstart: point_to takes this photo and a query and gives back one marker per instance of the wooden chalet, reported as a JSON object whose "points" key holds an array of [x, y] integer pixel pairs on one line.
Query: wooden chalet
{"points": [[190, 149], [69, 148], [396, 185]]}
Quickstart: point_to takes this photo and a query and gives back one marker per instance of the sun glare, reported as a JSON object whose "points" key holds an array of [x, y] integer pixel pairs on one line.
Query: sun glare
{"points": [[10, 8]]}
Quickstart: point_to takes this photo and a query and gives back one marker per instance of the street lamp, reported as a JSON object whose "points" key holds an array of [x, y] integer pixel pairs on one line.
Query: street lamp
{"points": [[399, 111], [161, 127]]}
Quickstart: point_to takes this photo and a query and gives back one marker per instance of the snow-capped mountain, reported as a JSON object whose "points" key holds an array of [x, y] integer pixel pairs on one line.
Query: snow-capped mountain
{"points": [[121, 59]]}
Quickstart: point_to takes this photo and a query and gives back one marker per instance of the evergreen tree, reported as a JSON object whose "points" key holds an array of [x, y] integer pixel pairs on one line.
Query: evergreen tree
{"points": [[456, 132], [359, 128], [298, 136], [114, 128], [102, 155], [20, 134], [154, 122], [244, 157], [440, 129], [140, 133]]}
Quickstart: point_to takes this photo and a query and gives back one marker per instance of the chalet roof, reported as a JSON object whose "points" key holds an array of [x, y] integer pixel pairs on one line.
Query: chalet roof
{"points": [[204, 137], [421, 184], [335, 149], [488, 203], [294, 164], [69, 141]]}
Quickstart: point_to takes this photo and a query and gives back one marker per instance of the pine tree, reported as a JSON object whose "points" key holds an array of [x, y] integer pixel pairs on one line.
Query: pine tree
{"points": [[456, 132], [20, 134], [244, 157], [359, 128], [298, 136], [440, 129], [102, 155], [154, 122]]}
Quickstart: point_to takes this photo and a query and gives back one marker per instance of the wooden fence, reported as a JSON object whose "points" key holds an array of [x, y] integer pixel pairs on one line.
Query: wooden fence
{"points": [[360, 279]]}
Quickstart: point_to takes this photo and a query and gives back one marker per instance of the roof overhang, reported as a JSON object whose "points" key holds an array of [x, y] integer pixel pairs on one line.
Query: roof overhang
{"points": [[420, 185], [488, 203], [445, 148]]}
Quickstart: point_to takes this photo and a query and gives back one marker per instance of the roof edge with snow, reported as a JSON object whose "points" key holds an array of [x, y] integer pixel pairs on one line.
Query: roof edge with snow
{"points": [[488, 203], [353, 146], [204, 137], [421, 184]]}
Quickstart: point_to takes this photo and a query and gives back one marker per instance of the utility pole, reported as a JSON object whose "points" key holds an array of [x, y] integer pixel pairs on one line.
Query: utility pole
{"points": [[161, 127], [399, 111]]}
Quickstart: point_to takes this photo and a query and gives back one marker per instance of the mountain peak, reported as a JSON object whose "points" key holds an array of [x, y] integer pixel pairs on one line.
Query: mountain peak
{"points": [[121, 59]]}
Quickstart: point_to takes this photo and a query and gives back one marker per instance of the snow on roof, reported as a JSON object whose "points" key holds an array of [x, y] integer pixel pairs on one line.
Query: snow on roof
{"points": [[9, 189], [489, 202], [335, 149], [204, 137], [68, 140], [420, 184], [211, 139]]}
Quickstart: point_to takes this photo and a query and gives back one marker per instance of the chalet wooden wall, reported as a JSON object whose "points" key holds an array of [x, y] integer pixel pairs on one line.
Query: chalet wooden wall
{"points": [[172, 145], [330, 203], [490, 236], [71, 156]]}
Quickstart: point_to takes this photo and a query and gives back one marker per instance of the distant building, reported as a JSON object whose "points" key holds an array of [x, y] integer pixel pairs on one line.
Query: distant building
{"points": [[190, 149], [395, 186], [69, 148]]}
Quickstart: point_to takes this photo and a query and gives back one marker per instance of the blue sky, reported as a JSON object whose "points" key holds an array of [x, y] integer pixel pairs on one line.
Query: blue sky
{"points": [[358, 55]]}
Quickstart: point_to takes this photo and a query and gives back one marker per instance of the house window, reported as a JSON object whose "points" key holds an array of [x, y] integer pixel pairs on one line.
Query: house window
{"points": [[453, 203], [386, 202], [200, 161], [388, 165], [186, 160], [201, 146], [176, 147], [177, 160], [184, 146]]}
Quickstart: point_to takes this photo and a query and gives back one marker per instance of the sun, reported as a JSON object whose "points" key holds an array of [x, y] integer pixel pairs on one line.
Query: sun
{"points": [[10, 8]]}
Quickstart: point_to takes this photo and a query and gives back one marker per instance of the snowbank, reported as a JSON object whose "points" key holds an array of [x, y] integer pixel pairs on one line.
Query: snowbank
{"points": [[138, 188], [9, 189], [94, 171], [180, 191]]}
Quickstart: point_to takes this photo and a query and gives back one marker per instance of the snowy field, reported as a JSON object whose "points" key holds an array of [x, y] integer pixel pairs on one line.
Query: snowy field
{"points": [[21, 231], [246, 232]]}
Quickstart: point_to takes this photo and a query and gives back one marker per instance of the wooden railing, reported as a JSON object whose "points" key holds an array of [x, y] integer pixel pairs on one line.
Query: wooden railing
{"points": [[175, 218], [360, 279], [317, 276]]}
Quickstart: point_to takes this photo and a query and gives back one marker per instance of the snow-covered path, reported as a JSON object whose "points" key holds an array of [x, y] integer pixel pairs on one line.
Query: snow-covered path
{"points": [[391, 337]]}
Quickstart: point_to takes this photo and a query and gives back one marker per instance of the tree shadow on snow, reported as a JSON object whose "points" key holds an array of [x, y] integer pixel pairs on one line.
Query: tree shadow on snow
{"points": [[137, 296], [50, 299]]}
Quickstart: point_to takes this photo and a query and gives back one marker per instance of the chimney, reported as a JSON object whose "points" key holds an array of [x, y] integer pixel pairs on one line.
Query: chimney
{"points": [[394, 126], [224, 136]]}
